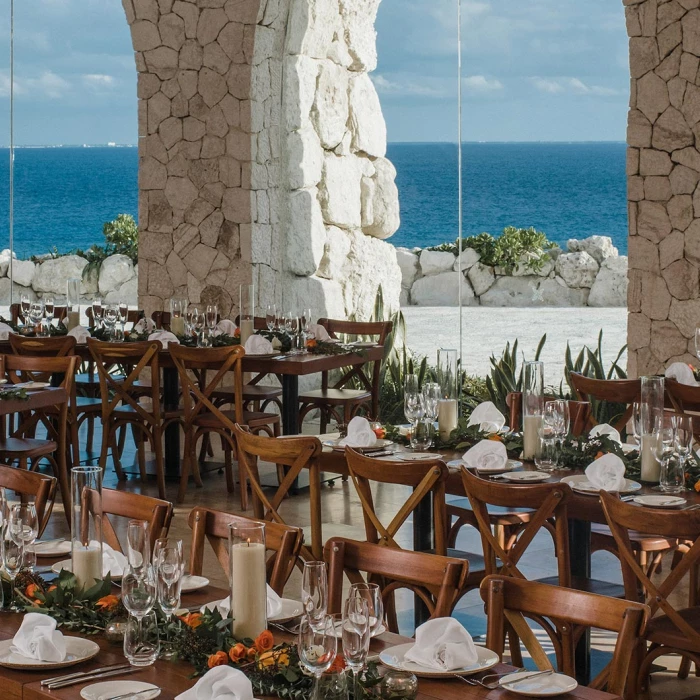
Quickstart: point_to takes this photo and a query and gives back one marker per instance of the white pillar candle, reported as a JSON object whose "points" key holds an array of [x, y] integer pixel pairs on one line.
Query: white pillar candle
{"points": [[447, 417], [531, 427], [72, 319], [651, 467], [177, 325], [247, 329], [248, 589], [87, 565]]}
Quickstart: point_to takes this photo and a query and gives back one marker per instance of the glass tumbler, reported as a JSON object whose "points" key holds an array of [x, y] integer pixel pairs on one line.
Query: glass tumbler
{"points": [[141, 641]]}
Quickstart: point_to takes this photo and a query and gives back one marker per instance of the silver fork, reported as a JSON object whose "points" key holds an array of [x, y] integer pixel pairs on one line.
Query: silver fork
{"points": [[133, 694]]}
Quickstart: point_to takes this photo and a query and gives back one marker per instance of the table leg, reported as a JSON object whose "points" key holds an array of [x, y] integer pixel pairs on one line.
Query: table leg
{"points": [[290, 404], [171, 400], [422, 542], [580, 554]]}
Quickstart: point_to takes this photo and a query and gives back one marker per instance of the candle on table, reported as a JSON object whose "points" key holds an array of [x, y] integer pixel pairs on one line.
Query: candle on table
{"points": [[651, 467], [248, 589], [247, 329], [73, 319], [447, 417], [177, 325], [531, 426], [87, 564]]}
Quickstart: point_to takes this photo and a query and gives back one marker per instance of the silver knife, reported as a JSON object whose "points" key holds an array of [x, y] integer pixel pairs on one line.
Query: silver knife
{"points": [[525, 677], [92, 677], [104, 669]]}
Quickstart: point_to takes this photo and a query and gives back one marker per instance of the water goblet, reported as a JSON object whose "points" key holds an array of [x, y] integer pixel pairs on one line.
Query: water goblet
{"points": [[110, 317], [12, 557], [191, 320], [24, 527], [25, 305], [138, 547], [317, 646], [355, 628], [314, 591], [372, 593], [49, 308], [138, 591], [169, 565], [664, 442], [123, 309], [212, 316], [412, 402], [141, 640], [97, 312], [271, 317]]}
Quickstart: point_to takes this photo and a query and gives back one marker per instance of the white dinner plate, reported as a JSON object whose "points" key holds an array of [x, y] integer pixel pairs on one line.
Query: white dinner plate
{"points": [[660, 501], [262, 355], [290, 609], [580, 484], [417, 456], [540, 686], [627, 448], [379, 445], [77, 651], [67, 564], [31, 386], [510, 465], [51, 549], [363, 344], [111, 689], [193, 583], [338, 630], [526, 477], [393, 657]]}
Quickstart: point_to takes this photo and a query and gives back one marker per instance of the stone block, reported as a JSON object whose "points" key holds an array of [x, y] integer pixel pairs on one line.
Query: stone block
{"points": [[691, 32], [643, 254], [191, 55], [305, 158], [340, 191], [682, 279], [409, 264], [652, 96], [680, 211], [666, 340], [639, 130], [688, 157], [638, 331], [610, 285], [433, 262], [180, 192], [172, 30], [330, 109], [114, 272], [384, 220], [683, 180], [598, 247], [23, 272], [671, 132], [53, 274], [144, 35], [652, 162], [689, 67], [676, 91], [306, 234], [684, 315], [577, 269], [311, 26], [466, 259], [211, 86], [656, 300], [211, 22], [532, 291], [300, 74], [158, 110], [442, 290], [653, 222], [671, 248], [358, 22], [692, 242], [644, 55], [366, 118], [152, 174], [163, 61], [335, 254], [481, 277]]}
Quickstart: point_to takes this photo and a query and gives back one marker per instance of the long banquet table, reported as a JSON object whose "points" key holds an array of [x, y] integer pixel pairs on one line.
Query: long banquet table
{"points": [[173, 678]]}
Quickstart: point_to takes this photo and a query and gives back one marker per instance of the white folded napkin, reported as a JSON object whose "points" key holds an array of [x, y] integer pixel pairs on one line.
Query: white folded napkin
{"points": [[274, 604], [5, 331], [113, 562], [225, 326], [38, 638], [257, 345], [607, 473], [487, 417], [681, 373], [486, 454], [144, 324], [220, 683], [605, 429], [165, 338], [80, 333], [318, 331], [360, 434], [442, 644]]}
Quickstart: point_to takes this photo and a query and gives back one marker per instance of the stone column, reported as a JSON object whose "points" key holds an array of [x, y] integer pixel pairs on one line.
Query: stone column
{"points": [[663, 170]]}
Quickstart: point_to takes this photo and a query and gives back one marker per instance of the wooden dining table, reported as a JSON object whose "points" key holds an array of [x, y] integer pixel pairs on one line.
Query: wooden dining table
{"points": [[174, 678]]}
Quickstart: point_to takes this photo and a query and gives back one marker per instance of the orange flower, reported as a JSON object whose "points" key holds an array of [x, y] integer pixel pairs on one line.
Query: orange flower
{"points": [[311, 343], [380, 432], [237, 333], [237, 653], [52, 588], [697, 486], [107, 603], [600, 454], [495, 437], [265, 641], [251, 654], [337, 665], [192, 619], [271, 658], [218, 659], [31, 592]]}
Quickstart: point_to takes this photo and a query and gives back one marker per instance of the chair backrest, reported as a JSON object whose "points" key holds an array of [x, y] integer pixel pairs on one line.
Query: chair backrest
{"points": [[615, 391], [685, 525], [259, 322], [682, 397], [213, 525], [134, 506], [579, 413], [197, 394], [161, 319], [133, 358], [25, 483], [59, 312], [377, 330], [296, 453], [55, 346], [548, 502], [427, 480], [435, 579], [510, 601]]}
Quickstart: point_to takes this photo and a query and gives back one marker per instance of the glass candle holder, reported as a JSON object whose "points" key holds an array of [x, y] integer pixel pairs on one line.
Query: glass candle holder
{"points": [[247, 318], [177, 315], [73, 302], [651, 415], [86, 519], [248, 579], [533, 407], [447, 406], [399, 684]]}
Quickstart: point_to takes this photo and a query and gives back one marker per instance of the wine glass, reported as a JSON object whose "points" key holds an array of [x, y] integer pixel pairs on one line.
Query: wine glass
{"points": [[271, 317], [36, 314], [49, 308], [683, 429], [192, 319], [123, 313], [317, 646], [356, 635], [141, 640], [24, 525], [637, 427], [25, 304], [12, 556], [294, 329], [314, 591], [138, 548], [306, 320], [697, 342], [169, 566], [97, 311], [372, 593], [212, 314], [412, 403], [432, 394], [110, 316]]}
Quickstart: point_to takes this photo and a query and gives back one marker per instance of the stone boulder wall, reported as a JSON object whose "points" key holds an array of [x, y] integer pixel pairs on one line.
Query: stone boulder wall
{"points": [[589, 273]]}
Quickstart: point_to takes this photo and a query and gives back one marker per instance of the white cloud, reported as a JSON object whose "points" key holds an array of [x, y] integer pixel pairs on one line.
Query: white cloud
{"points": [[97, 82], [572, 86], [480, 83], [547, 85], [48, 84], [404, 87]]}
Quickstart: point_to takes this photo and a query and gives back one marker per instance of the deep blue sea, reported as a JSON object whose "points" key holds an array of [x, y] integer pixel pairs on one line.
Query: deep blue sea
{"points": [[64, 195]]}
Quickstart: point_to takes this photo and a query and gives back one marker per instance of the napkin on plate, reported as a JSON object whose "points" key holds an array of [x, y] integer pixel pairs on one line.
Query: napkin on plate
{"points": [[487, 417], [678, 371], [274, 604], [607, 473], [165, 337], [360, 434], [80, 333], [144, 324], [318, 331], [5, 331], [220, 683], [605, 429], [226, 327], [442, 644], [113, 562], [486, 454], [38, 638], [257, 345]]}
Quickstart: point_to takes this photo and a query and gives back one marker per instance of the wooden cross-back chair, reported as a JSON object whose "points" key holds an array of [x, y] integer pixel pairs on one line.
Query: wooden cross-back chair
{"points": [[619, 391], [157, 512], [511, 601], [121, 406], [684, 399], [31, 484], [438, 581], [293, 454], [209, 525], [671, 630], [21, 445], [338, 402], [579, 413], [53, 346]]}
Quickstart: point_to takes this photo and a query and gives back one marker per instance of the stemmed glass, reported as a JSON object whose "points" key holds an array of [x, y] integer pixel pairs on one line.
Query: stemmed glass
{"points": [[697, 342], [36, 314], [138, 547], [12, 556], [139, 597], [412, 403], [314, 591], [123, 309], [432, 393], [169, 565], [97, 311], [192, 320], [25, 304], [293, 325], [637, 427], [24, 525], [111, 314], [49, 308], [212, 313], [683, 428], [356, 635], [200, 324], [373, 595], [271, 317], [317, 645]]}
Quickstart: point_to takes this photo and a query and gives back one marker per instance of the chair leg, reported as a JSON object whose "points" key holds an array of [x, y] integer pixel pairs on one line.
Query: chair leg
{"points": [[116, 460], [140, 440], [90, 432], [184, 469], [160, 465], [324, 421], [243, 485]]}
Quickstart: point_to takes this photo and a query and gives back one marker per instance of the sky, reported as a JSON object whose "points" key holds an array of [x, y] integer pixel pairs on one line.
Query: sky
{"points": [[533, 70]]}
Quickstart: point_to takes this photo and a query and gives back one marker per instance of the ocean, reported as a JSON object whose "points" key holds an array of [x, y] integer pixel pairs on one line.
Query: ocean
{"points": [[568, 190]]}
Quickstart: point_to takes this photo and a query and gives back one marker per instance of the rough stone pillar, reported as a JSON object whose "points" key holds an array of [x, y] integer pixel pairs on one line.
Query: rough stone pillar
{"points": [[663, 170]]}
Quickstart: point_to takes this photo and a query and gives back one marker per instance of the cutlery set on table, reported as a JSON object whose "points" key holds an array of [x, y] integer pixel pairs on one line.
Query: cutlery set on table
{"points": [[112, 690]]}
